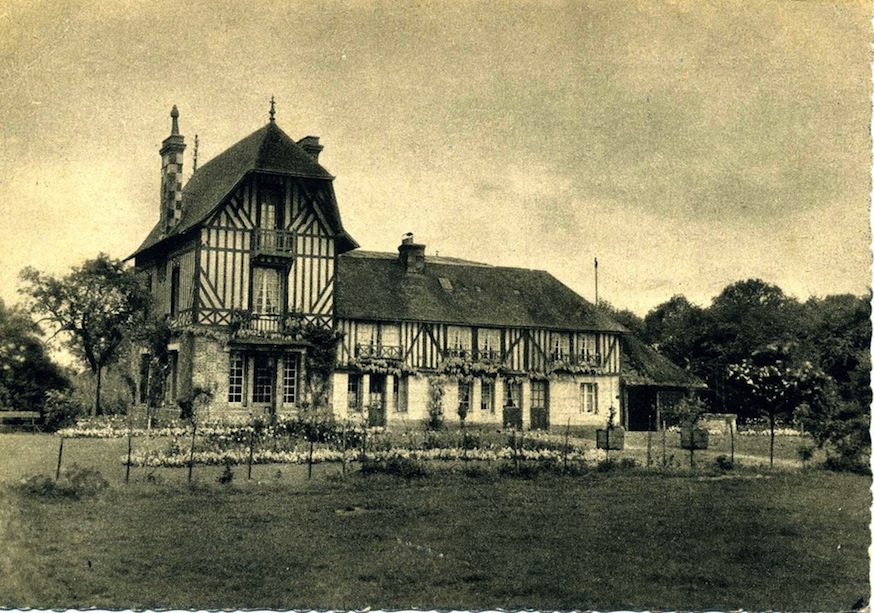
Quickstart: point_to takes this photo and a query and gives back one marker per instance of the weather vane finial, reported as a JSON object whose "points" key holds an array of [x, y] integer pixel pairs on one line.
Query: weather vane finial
{"points": [[272, 109]]}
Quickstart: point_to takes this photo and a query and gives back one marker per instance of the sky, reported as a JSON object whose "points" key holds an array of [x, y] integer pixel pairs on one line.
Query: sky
{"points": [[685, 145]]}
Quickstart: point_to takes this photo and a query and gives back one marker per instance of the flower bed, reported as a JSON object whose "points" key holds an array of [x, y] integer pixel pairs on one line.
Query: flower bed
{"points": [[180, 458]]}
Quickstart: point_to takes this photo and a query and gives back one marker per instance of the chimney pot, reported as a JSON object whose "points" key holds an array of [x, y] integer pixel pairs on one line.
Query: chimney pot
{"points": [[311, 145], [412, 255]]}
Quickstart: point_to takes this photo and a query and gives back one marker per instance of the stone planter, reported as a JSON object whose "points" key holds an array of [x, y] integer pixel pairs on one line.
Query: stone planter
{"points": [[616, 439], [694, 438]]}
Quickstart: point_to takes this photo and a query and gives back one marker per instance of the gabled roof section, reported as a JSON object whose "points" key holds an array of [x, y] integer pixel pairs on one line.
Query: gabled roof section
{"points": [[376, 286], [268, 149], [643, 365]]}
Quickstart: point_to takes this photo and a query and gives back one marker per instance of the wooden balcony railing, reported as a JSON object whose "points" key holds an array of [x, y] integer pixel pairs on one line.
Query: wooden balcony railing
{"points": [[474, 355], [266, 322], [378, 352], [273, 242], [593, 360]]}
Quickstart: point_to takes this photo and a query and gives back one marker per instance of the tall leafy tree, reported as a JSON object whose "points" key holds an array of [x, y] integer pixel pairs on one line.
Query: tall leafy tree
{"points": [[26, 371], [92, 308], [677, 328]]}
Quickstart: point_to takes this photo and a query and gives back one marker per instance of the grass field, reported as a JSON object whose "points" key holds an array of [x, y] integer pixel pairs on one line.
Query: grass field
{"points": [[758, 539]]}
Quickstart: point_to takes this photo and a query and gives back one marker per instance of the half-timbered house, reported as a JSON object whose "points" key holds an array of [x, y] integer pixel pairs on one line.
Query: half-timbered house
{"points": [[255, 241]]}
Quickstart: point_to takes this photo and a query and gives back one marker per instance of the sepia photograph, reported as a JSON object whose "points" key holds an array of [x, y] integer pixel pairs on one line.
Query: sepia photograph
{"points": [[463, 305]]}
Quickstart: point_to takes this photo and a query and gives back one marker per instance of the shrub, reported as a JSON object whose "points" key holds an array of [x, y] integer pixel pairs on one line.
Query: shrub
{"points": [[60, 410], [723, 462], [75, 482], [397, 466], [227, 475], [805, 453]]}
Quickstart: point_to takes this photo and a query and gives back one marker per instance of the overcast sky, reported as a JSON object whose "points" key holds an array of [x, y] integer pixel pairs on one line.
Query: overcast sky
{"points": [[684, 145]]}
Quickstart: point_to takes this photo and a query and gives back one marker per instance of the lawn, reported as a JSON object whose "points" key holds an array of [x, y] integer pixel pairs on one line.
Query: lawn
{"points": [[637, 539]]}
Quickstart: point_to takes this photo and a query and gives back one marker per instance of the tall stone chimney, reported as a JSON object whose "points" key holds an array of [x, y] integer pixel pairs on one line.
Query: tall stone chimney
{"points": [[171, 175], [412, 254], [311, 145]]}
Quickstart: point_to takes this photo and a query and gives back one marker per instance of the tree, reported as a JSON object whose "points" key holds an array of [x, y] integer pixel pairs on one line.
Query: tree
{"points": [[676, 328], [627, 318], [775, 387], [26, 371], [93, 307]]}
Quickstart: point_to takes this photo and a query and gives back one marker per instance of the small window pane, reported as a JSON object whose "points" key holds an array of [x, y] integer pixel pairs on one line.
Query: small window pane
{"points": [[289, 379], [487, 398], [235, 378], [263, 388]]}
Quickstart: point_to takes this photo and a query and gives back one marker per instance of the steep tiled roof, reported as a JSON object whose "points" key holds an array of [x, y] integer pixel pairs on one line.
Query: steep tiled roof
{"points": [[643, 365], [376, 286], [266, 150]]}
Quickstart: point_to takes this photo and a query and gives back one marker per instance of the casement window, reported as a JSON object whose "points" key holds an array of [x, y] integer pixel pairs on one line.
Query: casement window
{"points": [[236, 369], [589, 398], [262, 388], [463, 397], [586, 345], [268, 217], [487, 397], [389, 335], [266, 291], [354, 391], [401, 393], [560, 345], [289, 378], [539, 394], [488, 341], [512, 394], [367, 335], [458, 339]]}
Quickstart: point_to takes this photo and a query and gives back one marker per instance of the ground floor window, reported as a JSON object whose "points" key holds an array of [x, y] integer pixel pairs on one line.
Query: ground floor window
{"points": [[235, 378], [538, 395], [353, 393], [377, 391], [262, 390], [589, 398], [487, 398], [289, 379]]}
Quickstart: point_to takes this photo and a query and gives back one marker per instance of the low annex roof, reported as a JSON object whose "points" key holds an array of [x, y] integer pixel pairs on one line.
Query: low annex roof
{"points": [[268, 149], [376, 286], [643, 365]]}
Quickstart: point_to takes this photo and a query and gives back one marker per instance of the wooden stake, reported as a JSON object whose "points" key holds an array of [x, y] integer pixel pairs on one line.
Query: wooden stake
{"points": [[343, 462], [191, 454], [310, 462], [127, 464], [60, 454], [251, 453]]}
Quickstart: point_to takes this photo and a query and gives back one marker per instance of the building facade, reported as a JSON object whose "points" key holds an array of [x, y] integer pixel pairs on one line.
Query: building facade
{"points": [[253, 248]]}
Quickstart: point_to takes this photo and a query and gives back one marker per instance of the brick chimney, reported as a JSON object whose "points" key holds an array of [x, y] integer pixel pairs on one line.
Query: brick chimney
{"points": [[311, 145], [412, 254], [171, 175]]}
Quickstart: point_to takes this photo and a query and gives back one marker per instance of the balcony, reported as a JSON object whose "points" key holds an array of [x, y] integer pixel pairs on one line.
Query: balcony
{"points": [[272, 244], [575, 362], [474, 355], [379, 352]]}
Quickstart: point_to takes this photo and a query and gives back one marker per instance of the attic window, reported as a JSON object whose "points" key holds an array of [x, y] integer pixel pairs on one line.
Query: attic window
{"points": [[445, 283]]}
